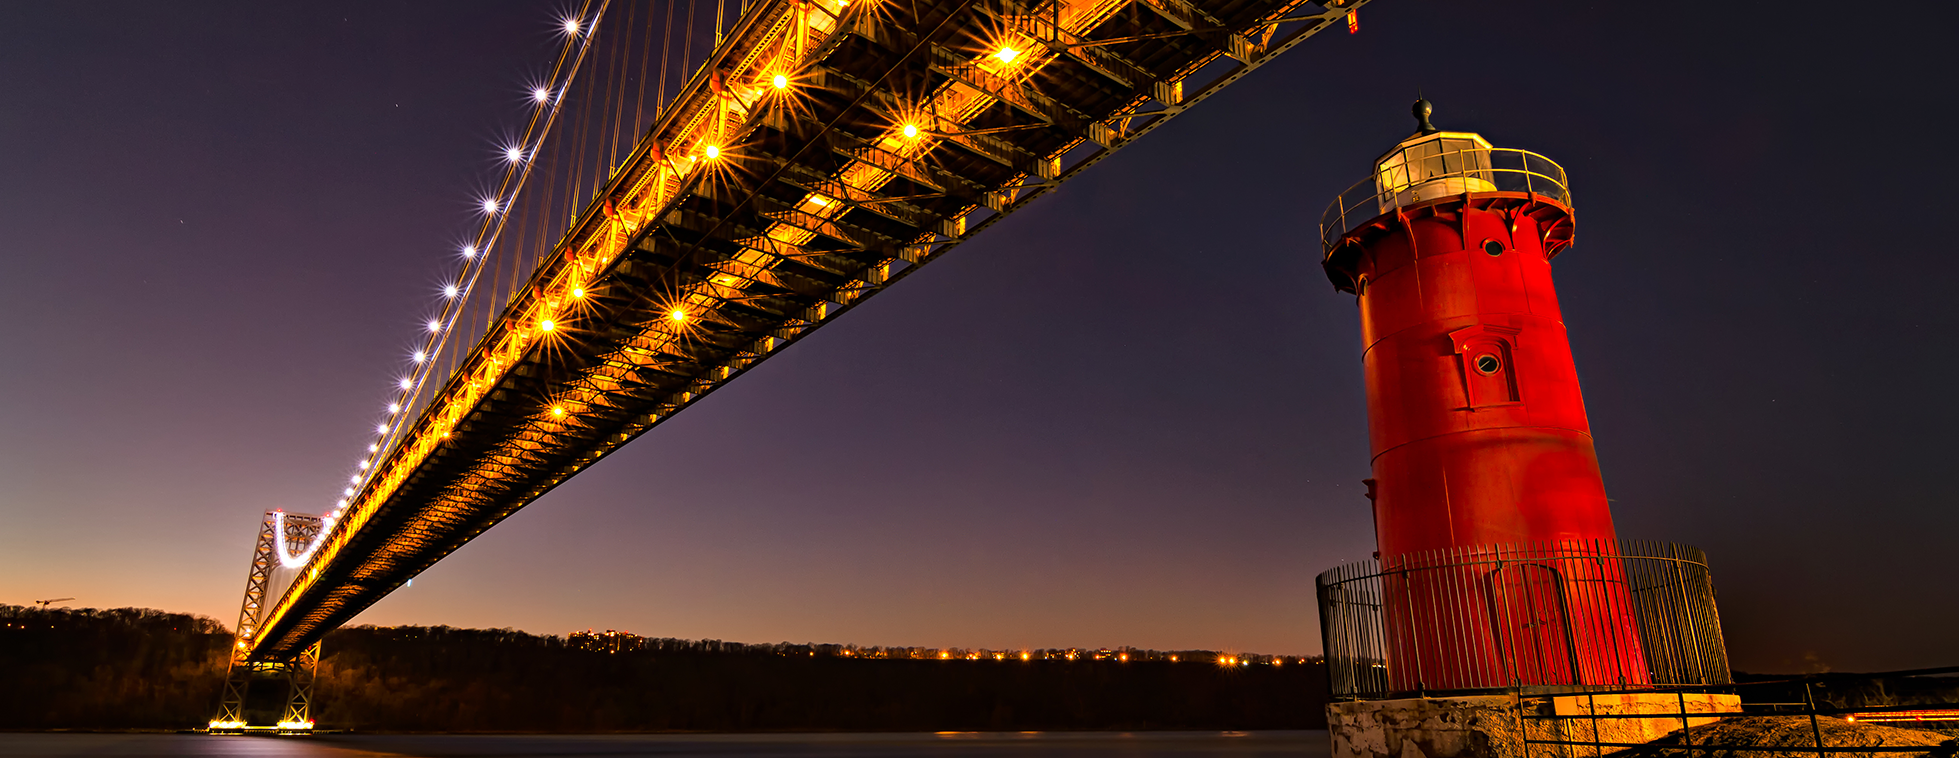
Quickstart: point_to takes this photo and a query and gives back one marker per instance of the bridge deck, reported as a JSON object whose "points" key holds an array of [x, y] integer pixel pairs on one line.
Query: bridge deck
{"points": [[750, 214]]}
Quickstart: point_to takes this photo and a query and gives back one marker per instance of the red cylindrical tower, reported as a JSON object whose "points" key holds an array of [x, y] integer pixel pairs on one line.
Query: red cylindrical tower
{"points": [[1478, 429]]}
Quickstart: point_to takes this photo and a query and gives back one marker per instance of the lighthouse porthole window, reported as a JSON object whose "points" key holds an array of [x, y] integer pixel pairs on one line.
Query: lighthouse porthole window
{"points": [[1487, 364], [1493, 247]]}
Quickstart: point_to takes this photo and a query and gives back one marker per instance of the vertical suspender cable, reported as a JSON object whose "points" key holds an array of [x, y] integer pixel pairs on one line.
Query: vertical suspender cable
{"points": [[687, 46], [666, 52], [645, 57]]}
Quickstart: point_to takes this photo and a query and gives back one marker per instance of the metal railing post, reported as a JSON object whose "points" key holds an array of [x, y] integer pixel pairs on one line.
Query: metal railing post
{"points": [[1815, 728]]}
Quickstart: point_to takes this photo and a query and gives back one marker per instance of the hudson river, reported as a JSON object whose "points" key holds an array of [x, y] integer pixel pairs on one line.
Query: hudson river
{"points": [[960, 744]]}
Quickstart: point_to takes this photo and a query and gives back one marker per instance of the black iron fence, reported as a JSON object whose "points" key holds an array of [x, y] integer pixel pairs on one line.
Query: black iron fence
{"points": [[1914, 712], [1534, 617]]}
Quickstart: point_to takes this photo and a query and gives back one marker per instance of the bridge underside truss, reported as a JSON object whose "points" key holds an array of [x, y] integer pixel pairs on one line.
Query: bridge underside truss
{"points": [[825, 151]]}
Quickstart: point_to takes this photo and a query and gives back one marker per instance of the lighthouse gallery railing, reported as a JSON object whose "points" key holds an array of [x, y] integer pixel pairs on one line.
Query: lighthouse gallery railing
{"points": [[1452, 172]]}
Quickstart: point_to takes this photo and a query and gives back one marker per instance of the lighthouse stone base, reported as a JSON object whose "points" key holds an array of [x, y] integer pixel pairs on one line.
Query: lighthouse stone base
{"points": [[1496, 726]]}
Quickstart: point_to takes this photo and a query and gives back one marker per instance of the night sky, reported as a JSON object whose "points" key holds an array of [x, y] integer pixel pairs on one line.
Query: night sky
{"points": [[1131, 414]]}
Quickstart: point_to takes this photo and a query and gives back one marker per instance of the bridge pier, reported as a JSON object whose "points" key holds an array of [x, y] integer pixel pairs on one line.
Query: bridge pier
{"points": [[295, 679]]}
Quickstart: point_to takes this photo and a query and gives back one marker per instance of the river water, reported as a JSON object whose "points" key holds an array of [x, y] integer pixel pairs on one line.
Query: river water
{"points": [[1311, 744]]}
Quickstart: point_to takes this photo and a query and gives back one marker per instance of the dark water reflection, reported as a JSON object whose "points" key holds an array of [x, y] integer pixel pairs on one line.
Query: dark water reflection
{"points": [[1312, 744]]}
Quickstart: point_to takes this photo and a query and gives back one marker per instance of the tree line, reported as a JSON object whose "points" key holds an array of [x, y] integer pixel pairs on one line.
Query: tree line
{"points": [[131, 668]]}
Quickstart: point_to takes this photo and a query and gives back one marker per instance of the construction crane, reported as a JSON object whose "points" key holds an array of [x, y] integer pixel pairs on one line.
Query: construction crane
{"points": [[51, 601]]}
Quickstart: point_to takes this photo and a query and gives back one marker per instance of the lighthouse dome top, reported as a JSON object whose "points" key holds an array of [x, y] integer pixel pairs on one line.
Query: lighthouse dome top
{"points": [[1432, 165]]}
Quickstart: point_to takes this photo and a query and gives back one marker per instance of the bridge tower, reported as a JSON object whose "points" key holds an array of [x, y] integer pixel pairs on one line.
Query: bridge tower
{"points": [[295, 676]]}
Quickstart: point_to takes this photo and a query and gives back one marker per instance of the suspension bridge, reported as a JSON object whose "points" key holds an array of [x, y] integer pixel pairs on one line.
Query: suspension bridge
{"points": [[635, 256]]}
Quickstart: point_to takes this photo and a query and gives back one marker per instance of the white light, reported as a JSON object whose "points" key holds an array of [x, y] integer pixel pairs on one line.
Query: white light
{"points": [[490, 205], [353, 480], [713, 152], [420, 356], [349, 491], [343, 502], [911, 130], [365, 464], [781, 82], [571, 26], [513, 154], [469, 251], [450, 291], [405, 383], [374, 448], [285, 555], [435, 327], [540, 94], [392, 408]]}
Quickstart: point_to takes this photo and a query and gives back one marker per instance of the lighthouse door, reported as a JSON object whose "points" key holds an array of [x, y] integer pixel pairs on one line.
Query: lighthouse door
{"points": [[1531, 617]]}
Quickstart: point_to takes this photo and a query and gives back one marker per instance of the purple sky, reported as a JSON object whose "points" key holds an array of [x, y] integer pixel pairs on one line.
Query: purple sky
{"points": [[1130, 415]]}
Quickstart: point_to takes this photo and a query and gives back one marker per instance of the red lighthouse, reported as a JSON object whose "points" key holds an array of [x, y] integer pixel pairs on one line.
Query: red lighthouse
{"points": [[1478, 432]]}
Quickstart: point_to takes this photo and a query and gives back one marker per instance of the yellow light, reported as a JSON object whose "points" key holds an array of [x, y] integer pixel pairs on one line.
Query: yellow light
{"points": [[578, 292], [781, 82], [547, 324], [1024, 656], [1007, 54], [713, 152], [819, 201], [677, 315], [911, 130], [557, 410]]}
